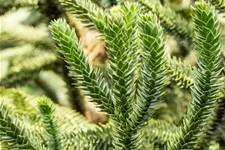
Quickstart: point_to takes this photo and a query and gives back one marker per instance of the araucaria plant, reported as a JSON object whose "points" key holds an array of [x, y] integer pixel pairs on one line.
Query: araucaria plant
{"points": [[130, 89]]}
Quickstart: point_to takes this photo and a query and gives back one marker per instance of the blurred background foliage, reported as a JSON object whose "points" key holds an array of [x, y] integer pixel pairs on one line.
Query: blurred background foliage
{"points": [[30, 62]]}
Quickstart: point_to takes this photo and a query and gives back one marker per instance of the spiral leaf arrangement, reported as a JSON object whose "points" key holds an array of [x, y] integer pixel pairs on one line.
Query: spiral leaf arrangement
{"points": [[138, 69]]}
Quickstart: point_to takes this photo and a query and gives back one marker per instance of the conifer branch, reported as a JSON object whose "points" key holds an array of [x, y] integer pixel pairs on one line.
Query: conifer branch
{"points": [[120, 37], [80, 69], [152, 71], [50, 122], [95, 138], [121, 41], [206, 87], [137, 72]]}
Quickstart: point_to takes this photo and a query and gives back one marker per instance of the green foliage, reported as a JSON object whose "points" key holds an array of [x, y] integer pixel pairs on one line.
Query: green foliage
{"points": [[135, 89], [121, 70], [11, 132], [153, 70], [206, 86], [180, 72], [27, 50], [75, 131], [51, 126], [84, 72]]}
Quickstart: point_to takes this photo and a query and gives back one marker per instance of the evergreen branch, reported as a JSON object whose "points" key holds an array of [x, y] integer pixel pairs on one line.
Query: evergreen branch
{"points": [[180, 72], [120, 37], [28, 69], [80, 69], [219, 5], [206, 87], [137, 73], [50, 122], [172, 22], [82, 9], [74, 120], [12, 133], [152, 71]]}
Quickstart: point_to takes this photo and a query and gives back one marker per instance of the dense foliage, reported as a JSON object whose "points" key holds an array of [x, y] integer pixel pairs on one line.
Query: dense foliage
{"points": [[153, 100]]}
